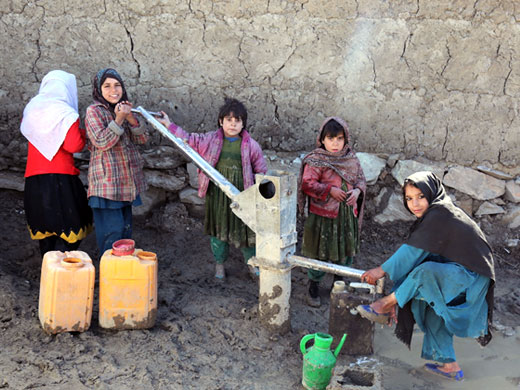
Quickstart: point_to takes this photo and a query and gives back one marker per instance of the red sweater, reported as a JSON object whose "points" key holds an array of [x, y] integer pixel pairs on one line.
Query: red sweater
{"points": [[63, 161]]}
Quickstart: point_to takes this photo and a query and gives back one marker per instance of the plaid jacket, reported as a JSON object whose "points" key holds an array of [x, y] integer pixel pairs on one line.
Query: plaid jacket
{"points": [[116, 168], [209, 146]]}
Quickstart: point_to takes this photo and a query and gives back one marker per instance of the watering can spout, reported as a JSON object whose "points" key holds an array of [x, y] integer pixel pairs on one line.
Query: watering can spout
{"points": [[340, 345]]}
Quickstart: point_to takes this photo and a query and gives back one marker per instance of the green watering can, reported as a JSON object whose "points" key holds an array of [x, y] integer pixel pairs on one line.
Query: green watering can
{"points": [[318, 360]]}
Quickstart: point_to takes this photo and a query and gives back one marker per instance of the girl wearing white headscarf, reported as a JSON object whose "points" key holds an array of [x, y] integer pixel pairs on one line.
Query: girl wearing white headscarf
{"points": [[55, 201]]}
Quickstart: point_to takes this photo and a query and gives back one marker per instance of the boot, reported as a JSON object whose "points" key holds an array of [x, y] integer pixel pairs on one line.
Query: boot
{"points": [[313, 299]]}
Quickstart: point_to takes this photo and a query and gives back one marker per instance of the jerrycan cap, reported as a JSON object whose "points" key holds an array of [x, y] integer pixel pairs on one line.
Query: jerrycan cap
{"points": [[144, 255], [123, 247]]}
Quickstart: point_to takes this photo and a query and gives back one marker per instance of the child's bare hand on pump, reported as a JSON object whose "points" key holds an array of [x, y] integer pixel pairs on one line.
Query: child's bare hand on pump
{"points": [[164, 120]]}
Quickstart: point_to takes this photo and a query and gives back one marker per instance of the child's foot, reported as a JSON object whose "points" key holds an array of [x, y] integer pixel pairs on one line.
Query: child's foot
{"points": [[254, 272], [313, 299], [447, 370], [220, 273], [385, 304]]}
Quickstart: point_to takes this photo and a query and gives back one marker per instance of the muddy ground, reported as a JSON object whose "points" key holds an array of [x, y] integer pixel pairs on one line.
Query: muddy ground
{"points": [[207, 334]]}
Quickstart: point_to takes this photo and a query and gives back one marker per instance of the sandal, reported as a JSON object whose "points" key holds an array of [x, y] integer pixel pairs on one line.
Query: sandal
{"points": [[434, 369], [220, 272], [370, 314], [254, 272]]}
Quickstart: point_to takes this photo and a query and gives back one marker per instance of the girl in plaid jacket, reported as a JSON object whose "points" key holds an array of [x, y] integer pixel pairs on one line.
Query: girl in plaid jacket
{"points": [[115, 173]]}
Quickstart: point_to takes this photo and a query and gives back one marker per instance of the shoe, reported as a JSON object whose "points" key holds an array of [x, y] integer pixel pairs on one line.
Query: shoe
{"points": [[370, 314], [254, 272], [433, 368], [220, 272], [313, 299]]}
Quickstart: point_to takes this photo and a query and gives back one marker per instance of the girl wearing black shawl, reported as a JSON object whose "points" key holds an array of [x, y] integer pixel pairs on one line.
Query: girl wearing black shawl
{"points": [[443, 277]]}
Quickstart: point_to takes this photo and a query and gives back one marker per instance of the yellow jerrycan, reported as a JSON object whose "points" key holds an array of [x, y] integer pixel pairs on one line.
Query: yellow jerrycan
{"points": [[66, 292], [127, 287]]}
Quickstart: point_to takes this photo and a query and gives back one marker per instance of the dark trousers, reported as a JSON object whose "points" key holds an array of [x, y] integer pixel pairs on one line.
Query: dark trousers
{"points": [[55, 243], [112, 225]]}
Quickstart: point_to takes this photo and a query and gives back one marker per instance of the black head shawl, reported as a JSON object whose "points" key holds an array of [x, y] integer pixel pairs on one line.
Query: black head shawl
{"points": [[98, 81], [445, 229]]}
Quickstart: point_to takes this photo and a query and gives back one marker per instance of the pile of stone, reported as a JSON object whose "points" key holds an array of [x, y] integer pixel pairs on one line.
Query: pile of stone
{"points": [[481, 192]]}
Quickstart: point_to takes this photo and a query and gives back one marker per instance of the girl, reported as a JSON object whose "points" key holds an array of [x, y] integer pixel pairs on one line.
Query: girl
{"points": [[443, 277], [55, 201], [115, 173], [238, 157], [332, 177]]}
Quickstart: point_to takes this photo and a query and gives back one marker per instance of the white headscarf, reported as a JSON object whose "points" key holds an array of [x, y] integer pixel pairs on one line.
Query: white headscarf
{"points": [[49, 115]]}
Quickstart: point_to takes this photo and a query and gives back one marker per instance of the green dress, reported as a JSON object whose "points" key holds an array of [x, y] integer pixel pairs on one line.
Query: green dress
{"points": [[220, 222], [332, 240]]}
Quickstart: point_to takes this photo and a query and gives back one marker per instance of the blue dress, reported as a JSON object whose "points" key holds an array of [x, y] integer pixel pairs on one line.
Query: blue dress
{"points": [[446, 298]]}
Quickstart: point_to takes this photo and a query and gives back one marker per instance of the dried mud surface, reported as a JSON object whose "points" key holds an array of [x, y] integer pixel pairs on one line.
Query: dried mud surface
{"points": [[207, 334]]}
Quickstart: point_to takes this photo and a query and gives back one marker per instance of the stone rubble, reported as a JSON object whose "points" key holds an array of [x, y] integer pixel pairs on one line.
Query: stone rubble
{"points": [[480, 195]]}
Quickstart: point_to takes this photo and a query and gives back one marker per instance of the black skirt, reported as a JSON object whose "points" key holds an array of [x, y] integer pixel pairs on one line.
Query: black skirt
{"points": [[56, 205]]}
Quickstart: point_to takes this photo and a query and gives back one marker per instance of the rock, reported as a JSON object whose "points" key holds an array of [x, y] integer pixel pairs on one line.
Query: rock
{"points": [[512, 191], [489, 208], [394, 211], [465, 204], [164, 180], [382, 195], [196, 210], [495, 173], [83, 177], [512, 217], [163, 157], [476, 184], [189, 196], [151, 198], [193, 175], [405, 168], [297, 161], [372, 166], [392, 160], [12, 181]]}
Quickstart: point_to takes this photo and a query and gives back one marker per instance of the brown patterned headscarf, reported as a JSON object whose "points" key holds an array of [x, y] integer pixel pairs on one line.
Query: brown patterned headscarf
{"points": [[344, 163]]}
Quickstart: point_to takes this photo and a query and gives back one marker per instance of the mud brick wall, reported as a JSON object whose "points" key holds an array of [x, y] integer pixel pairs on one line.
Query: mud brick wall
{"points": [[432, 78]]}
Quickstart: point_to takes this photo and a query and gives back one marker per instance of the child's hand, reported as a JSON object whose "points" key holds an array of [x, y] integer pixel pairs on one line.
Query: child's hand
{"points": [[353, 196], [123, 111], [372, 275], [338, 194], [164, 120]]}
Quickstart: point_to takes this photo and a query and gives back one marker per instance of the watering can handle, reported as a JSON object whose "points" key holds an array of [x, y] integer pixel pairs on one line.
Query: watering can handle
{"points": [[304, 341]]}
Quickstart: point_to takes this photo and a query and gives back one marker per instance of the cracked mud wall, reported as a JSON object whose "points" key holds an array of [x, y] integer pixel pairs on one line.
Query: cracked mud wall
{"points": [[432, 78]]}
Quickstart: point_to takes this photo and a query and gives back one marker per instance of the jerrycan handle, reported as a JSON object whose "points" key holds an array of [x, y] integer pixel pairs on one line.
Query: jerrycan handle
{"points": [[340, 345], [305, 340]]}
